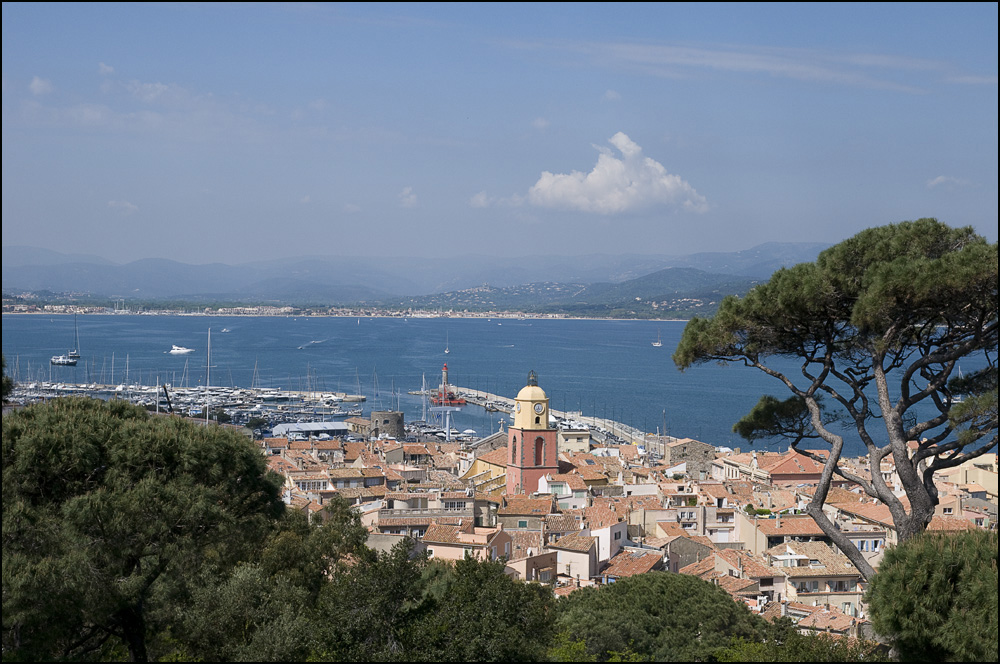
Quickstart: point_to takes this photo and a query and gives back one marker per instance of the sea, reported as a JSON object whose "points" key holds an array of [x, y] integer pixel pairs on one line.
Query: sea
{"points": [[603, 368]]}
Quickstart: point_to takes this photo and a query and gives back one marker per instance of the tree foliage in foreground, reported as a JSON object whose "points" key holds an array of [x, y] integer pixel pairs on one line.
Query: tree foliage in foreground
{"points": [[659, 616], [935, 597], [108, 516], [879, 325], [782, 642]]}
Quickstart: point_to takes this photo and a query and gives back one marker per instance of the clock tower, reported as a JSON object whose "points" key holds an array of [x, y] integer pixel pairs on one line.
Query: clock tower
{"points": [[531, 444]]}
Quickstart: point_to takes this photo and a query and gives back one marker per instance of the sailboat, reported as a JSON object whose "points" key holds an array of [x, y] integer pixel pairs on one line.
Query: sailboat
{"points": [[69, 359], [446, 350], [75, 353], [657, 343]]}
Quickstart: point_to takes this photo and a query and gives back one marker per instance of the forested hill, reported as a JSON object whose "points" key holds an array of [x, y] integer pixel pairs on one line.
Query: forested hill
{"points": [[599, 281], [668, 293]]}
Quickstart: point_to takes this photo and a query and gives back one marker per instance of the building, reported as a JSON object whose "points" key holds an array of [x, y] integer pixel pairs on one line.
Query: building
{"points": [[532, 446]]}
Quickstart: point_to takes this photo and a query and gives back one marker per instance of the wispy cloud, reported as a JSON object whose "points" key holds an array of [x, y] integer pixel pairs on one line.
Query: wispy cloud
{"points": [[105, 70], [616, 184], [540, 123], [947, 182], [860, 69], [124, 207], [407, 198], [611, 95], [40, 86]]}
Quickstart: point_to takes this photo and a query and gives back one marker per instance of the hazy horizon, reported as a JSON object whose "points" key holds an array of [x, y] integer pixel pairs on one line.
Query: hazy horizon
{"points": [[235, 133]]}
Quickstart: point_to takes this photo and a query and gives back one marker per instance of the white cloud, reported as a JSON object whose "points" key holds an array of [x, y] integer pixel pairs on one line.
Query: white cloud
{"points": [[480, 200], [105, 70], [484, 200], [407, 198], [305, 200], [539, 123], [352, 208], [611, 95], [124, 207], [40, 86], [946, 181], [615, 185]]}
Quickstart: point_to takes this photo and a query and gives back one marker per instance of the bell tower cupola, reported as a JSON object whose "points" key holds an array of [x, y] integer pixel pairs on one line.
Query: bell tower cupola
{"points": [[531, 444], [531, 407]]}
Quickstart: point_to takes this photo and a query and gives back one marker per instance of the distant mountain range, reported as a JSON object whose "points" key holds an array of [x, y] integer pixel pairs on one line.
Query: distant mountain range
{"points": [[572, 284]]}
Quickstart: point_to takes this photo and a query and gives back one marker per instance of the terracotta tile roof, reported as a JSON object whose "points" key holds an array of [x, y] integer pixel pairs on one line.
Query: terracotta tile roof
{"points": [[524, 506], [497, 457], [564, 591], [442, 479], [671, 529], [352, 450], [630, 563], [574, 542], [800, 525], [751, 567], [574, 481], [702, 569], [563, 523], [389, 521], [442, 534], [735, 586], [874, 512], [835, 494], [368, 492], [831, 563], [598, 517], [522, 541], [791, 463], [950, 524], [828, 620]]}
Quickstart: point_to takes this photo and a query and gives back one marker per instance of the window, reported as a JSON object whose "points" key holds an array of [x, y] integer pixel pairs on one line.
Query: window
{"points": [[539, 451], [618, 535], [522, 524]]}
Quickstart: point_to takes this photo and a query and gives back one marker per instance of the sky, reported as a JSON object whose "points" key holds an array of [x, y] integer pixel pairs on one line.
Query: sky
{"points": [[241, 132]]}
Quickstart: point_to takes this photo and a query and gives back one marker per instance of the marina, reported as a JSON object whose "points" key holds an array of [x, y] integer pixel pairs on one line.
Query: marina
{"points": [[604, 370]]}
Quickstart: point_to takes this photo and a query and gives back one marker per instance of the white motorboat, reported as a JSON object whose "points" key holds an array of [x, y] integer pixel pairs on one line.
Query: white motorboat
{"points": [[180, 350], [63, 361]]}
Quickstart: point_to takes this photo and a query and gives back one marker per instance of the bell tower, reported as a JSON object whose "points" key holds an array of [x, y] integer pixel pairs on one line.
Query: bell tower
{"points": [[531, 444]]}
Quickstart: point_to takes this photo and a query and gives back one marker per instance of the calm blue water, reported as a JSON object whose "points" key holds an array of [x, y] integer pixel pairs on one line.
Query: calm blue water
{"points": [[606, 368]]}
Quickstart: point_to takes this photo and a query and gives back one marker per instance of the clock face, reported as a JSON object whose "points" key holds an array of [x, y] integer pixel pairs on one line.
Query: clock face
{"points": [[539, 408]]}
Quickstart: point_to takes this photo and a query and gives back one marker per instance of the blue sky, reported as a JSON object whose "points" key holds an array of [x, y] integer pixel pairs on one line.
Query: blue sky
{"points": [[229, 133]]}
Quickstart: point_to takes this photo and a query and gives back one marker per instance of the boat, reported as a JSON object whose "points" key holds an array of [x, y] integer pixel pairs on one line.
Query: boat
{"points": [[657, 343], [180, 350], [446, 351], [75, 353], [63, 361]]}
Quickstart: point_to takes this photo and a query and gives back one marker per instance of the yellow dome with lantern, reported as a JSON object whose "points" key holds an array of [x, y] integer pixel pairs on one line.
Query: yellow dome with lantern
{"points": [[531, 407]]}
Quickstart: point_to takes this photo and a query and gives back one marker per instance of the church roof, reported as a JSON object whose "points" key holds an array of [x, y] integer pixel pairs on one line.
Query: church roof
{"points": [[531, 393]]}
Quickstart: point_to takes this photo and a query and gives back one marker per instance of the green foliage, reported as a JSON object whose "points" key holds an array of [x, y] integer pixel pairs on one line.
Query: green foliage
{"points": [[935, 596], [771, 418], [658, 616], [369, 610], [781, 642], [904, 302], [478, 613], [108, 516], [8, 384]]}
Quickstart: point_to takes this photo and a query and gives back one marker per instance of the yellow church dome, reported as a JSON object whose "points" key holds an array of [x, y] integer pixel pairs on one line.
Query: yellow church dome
{"points": [[531, 393]]}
